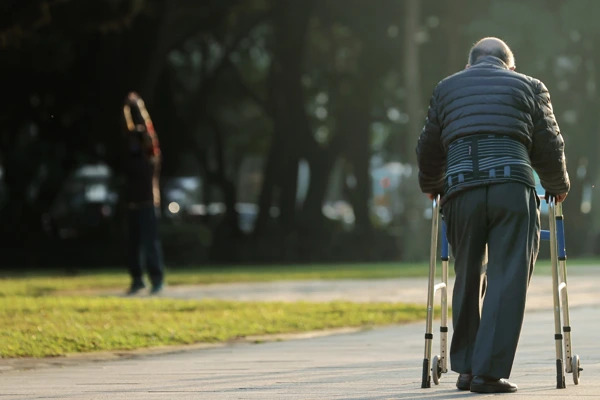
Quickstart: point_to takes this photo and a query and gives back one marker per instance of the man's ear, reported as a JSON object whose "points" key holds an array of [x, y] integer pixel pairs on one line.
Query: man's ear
{"points": [[513, 68], [467, 66]]}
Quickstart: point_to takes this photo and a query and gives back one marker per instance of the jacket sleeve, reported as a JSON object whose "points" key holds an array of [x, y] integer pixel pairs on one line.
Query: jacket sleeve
{"points": [[547, 153], [431, 157]]}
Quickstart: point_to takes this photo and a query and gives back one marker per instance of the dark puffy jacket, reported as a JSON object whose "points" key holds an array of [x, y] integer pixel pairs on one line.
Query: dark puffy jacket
{"points": [[489, 98]]}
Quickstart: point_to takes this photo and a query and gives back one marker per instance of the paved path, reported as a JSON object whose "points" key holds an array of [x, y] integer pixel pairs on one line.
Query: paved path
{"points": [[377, 364], [413, 290], [583, 283]]}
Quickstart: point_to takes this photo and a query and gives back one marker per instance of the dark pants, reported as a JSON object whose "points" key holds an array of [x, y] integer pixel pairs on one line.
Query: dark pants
{"points": [[506, 218], [144, 245]]}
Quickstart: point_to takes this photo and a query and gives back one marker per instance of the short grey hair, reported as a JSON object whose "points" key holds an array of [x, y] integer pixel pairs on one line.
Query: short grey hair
{"points": [[491, 46]]}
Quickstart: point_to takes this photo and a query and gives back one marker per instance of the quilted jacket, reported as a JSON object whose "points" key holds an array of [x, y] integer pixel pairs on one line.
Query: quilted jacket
{"points": [[489, 98]]}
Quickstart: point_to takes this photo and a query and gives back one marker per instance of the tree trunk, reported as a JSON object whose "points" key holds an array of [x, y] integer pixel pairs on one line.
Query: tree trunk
{"points": [[355, 122], [321, 163], [412, 78], [414, 230], [291, 129], [456, 57], [224, 182]]}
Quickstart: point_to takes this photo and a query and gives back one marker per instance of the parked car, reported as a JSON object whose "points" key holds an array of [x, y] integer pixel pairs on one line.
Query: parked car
{"points": [[86, 203]]}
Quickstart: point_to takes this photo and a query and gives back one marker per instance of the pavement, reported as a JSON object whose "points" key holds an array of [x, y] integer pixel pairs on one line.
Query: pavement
{"points": [[376, 364]]}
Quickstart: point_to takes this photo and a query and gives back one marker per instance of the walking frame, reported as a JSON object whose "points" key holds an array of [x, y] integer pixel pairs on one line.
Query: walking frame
{"points": [[566, 361]]}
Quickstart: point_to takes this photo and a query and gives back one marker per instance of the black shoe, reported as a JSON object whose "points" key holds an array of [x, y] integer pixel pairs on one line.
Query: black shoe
{"points": [[156, 289], [481, 384], [464, 381], [135, 287]]}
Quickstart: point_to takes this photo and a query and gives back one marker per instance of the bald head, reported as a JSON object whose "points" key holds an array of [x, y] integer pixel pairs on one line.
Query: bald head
{"points": [[491, 46]]}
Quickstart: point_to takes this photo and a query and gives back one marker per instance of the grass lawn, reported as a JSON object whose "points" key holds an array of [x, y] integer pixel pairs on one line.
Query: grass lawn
{"points": [[54, 326], [40, 316]]}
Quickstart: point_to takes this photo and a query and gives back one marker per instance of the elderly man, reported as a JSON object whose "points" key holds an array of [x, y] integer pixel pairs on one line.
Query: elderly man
{"points": [[487, 129]]}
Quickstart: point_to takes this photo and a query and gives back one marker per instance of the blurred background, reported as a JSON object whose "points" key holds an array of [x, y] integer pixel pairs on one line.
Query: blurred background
{"points": [[287, 127]]}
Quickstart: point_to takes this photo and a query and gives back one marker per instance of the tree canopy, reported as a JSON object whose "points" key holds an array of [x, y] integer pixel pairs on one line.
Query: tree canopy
{"points": [[290, 106]]}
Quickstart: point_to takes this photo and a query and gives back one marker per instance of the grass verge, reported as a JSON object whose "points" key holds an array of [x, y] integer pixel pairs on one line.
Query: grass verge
{"points": [[56, 326]]}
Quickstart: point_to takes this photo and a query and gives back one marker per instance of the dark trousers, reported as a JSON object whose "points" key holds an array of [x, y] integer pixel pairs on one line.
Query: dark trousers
{"points": [[506, 218], [144, 245]]}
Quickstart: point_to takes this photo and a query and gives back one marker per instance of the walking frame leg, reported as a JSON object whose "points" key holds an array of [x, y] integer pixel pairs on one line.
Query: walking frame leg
{"points": [[426, 376], [562, 285], [558, 337], [572, 360], [444, 295], [435, 366]]}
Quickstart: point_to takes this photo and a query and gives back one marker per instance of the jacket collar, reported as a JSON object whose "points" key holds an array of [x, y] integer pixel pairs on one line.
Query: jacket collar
{"points": [[490, 60]]}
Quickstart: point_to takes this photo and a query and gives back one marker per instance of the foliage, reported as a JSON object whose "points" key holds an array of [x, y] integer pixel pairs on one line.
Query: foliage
{"points": [[339, 86]]}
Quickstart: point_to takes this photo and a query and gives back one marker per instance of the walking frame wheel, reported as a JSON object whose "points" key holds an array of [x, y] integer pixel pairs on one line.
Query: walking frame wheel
{"points": [[576, 366], [436, 369]]}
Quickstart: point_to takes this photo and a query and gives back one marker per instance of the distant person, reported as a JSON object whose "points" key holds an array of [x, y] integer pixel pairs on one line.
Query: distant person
{"points": [[488, 128], [142, 165]]}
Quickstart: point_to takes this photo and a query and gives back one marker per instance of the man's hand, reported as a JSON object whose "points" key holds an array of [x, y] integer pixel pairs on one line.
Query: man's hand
{"points": [[558, 198], [561, 197], [431, 196]]}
